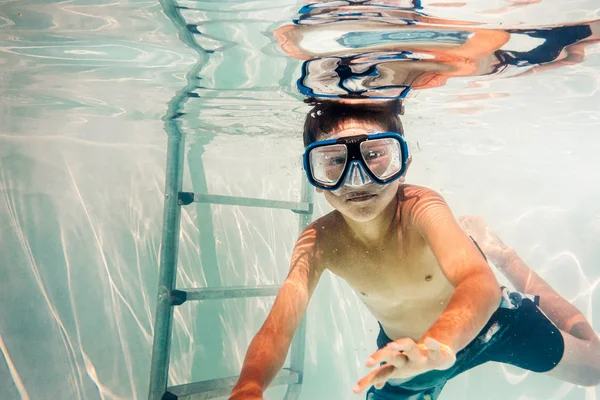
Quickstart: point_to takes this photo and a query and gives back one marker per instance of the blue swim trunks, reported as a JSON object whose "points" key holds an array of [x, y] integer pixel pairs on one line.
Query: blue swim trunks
{"points": [[518, 333]]}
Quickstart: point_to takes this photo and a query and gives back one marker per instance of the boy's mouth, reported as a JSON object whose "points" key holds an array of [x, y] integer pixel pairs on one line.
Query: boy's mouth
{"points": [[360, 196]]}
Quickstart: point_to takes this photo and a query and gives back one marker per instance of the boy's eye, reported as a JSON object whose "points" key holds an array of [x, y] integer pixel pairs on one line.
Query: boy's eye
{"points": [[336, 160], [373, 154]]}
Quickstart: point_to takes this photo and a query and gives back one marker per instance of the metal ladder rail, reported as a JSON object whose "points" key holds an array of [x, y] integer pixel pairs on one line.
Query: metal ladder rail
{"points": [[169, 296]]}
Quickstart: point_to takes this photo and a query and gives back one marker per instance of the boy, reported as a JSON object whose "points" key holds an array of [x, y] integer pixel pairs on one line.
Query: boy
{"points": [[399, 247]]}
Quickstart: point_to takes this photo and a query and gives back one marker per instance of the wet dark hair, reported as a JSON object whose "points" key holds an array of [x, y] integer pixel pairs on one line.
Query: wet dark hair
{"points": [[327, 116]]}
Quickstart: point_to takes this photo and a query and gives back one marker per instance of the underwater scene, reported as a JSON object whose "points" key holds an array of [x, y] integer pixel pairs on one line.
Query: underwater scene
{"points": [[287, 199]]}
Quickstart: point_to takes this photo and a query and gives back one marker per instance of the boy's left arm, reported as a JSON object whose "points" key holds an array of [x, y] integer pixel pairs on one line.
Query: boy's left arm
{"points": [[477, 293]]}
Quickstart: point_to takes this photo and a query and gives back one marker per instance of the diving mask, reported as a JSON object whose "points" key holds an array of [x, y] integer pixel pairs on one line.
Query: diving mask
{"points": [[356, 160]]}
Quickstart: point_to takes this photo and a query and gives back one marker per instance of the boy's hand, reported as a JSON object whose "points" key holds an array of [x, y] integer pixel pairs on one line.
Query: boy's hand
{"points": [[406, 359]]}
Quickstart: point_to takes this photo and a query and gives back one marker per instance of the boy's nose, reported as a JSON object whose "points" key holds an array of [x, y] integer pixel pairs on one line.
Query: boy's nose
{"points": [[357, 176]]}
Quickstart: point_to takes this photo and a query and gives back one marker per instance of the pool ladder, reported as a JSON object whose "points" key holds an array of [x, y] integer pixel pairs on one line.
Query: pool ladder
{"points": [[169, 296]]}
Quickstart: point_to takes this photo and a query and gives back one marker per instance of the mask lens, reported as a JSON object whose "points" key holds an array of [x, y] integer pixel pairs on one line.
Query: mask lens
{"points": [[327, 163], [382, 157]]}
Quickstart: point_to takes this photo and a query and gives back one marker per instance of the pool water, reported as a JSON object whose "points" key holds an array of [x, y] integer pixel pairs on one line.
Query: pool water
{"points": [[90, 91]]}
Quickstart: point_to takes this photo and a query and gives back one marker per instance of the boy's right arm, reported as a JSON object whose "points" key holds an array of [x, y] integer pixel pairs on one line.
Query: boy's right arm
{"points": [[268, 350]]}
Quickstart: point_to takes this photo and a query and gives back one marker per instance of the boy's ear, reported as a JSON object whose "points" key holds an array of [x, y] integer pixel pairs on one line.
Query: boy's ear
{"points": [[319, 190]]}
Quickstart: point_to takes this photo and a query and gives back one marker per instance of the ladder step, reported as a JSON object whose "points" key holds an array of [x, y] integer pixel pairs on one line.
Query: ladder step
{"points": [[180, 296], [221, 387], [186, 198]]}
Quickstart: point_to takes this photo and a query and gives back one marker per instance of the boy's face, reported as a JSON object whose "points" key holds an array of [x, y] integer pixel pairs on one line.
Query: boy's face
{"points": [[360, 203]]}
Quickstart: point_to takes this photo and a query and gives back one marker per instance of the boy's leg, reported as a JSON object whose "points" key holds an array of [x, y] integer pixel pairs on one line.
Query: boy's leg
{"points": [[581, 359]]}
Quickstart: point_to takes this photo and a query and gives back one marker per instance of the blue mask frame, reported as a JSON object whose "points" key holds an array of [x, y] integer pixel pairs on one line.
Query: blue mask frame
{"points": [[354, 155]]}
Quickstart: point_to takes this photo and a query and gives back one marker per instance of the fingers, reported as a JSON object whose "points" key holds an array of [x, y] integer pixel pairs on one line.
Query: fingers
{"points": [[408, 347], [405, 359], [386, 354], [396, 352], [377, 377]]}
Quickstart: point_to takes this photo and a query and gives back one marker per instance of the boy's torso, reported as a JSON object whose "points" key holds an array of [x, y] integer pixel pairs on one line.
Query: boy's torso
{"points": [[398, 278]]}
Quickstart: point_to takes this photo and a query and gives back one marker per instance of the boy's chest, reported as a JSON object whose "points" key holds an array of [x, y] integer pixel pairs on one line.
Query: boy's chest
{"points": [[390, 273]]}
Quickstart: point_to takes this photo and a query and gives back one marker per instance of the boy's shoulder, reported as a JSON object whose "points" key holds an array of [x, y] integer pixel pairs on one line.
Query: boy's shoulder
{"points": [[317, 240], [413, 196], [417, 204]]}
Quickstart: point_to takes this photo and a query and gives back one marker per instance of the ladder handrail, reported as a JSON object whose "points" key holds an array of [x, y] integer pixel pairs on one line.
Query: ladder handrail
{"points": [[167, 296]]}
